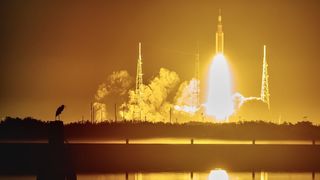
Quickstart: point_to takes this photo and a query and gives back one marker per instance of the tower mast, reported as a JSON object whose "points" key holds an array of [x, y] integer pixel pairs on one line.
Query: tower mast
{"points": [[265, 94], [139, 82], [219, 35]]}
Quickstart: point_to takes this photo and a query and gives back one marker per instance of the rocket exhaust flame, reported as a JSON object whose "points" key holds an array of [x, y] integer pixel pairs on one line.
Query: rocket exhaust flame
{"points": [[220, 101]]}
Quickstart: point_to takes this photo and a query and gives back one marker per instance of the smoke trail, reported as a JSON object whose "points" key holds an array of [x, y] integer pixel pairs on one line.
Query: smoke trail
{"points": [[153, 104], [239, 100]]}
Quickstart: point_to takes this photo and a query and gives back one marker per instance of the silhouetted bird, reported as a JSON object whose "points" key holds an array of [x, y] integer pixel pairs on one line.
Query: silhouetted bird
{"points": [[59, 111]]}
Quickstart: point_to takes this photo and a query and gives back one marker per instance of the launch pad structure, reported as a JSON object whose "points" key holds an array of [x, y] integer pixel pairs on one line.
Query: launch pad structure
{"points": [[219, 44]]}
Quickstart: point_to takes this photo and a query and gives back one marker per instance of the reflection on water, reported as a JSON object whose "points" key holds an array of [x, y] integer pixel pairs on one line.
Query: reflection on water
{"points": [[213, 175], [285, 142], [192, 140], [263, 176], [218, 174], [172, 141]]}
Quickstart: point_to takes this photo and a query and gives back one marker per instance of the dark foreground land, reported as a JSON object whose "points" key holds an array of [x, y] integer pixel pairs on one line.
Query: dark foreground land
{"points": [[31, 129], [59, 158]]}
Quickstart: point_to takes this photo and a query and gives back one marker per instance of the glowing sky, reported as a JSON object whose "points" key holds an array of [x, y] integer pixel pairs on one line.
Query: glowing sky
{"points": [[59, 52]]}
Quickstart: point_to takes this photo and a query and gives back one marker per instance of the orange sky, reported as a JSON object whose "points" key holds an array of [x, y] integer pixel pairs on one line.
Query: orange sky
{"points": [[59, 52]]}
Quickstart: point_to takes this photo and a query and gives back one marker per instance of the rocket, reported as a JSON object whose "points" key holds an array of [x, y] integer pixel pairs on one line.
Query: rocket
{"points": [[219, 36]]}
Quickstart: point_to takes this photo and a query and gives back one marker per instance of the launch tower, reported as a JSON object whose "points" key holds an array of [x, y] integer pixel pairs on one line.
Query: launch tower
{"points": [[265, 94], [139, 80]]}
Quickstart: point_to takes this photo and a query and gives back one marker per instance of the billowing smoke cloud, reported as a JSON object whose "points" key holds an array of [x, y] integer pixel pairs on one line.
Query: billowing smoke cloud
{"points": [[117, 84], [186, 97], [101, 92], [250, 108], [152, 104]]}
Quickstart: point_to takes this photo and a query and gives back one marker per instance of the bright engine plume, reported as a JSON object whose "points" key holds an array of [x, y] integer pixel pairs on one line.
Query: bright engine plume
{"points": [[220, 103]]}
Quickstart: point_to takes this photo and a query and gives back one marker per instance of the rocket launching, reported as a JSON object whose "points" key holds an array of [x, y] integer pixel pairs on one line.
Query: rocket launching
{"points": [[219, 36]]}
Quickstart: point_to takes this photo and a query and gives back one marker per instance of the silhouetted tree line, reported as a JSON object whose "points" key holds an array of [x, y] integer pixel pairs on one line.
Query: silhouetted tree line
{"points": [[32, 129], [27, 128]]}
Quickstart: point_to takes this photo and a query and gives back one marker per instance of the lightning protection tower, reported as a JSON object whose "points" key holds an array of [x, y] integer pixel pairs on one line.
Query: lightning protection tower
{"points": [[265, 94], [139, 80]]}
